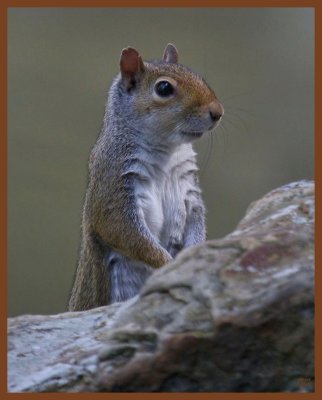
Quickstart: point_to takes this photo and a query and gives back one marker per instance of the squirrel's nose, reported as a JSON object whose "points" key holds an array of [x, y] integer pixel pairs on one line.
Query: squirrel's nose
{"points": [[216, 111], [215, 116]]}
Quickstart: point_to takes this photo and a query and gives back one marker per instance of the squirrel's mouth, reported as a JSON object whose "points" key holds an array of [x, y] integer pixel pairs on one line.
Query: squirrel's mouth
{"points": [[195, 134]]}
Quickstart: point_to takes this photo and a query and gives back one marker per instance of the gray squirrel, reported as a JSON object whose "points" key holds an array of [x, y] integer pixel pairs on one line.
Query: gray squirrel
{"points": [[143, 202]]}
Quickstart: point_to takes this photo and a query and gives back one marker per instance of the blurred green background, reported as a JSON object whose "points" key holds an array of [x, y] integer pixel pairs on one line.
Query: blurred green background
{"points": [[61, 62]]}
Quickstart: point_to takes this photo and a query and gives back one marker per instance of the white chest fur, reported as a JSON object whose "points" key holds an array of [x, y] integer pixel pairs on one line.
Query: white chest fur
{"points": [[162, 189]]}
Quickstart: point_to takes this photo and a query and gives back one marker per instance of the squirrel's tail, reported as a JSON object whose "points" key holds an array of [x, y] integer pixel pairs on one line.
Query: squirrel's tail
{"points": [[91, 283]]}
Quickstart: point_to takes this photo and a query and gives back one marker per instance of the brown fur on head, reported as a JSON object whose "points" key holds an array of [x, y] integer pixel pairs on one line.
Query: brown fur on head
{"points": [[166, 97]]}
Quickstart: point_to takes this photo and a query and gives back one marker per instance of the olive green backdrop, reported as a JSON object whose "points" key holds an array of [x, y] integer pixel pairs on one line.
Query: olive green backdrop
{"points": [[260, 63]]}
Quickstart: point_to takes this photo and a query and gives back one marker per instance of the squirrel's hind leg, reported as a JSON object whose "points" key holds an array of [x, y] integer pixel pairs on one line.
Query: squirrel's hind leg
{"points": [[126, 276]]}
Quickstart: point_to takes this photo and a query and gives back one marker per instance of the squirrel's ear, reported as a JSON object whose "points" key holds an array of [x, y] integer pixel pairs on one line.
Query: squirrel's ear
{"points": [[170, 54], [131, 66]]}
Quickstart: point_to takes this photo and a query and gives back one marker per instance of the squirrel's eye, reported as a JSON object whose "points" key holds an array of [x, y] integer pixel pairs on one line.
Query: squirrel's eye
{"points": [[164, 88]]}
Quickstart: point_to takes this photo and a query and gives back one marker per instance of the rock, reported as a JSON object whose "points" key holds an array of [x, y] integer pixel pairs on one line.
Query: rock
{"points": [[229, 315]]}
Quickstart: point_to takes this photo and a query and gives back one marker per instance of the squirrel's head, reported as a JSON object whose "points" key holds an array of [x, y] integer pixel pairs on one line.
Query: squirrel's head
{"points": [[166, 99]]}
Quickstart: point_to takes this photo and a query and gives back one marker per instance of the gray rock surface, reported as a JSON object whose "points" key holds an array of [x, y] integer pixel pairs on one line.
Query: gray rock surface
{"points": [[234, 314]]}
